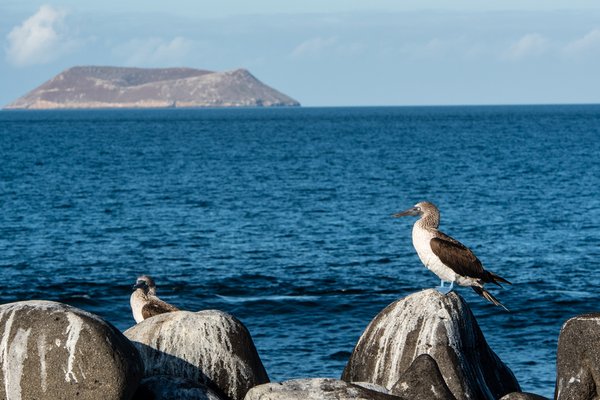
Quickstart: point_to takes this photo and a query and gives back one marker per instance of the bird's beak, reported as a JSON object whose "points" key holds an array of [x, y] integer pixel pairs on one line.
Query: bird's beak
{"points": [[138, 285], [410, 212]]}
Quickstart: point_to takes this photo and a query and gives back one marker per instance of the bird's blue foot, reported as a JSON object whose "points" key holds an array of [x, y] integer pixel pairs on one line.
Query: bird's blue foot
{"points": [[445, 289]]}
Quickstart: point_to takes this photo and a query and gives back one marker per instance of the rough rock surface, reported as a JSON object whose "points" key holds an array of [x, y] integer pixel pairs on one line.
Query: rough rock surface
{"points": [[428, 322], [522, 396], [423, 381], [209, 347], [315, 389], [51, 350], [173, 388], [116, 87], [578, 359], [372, 386]]}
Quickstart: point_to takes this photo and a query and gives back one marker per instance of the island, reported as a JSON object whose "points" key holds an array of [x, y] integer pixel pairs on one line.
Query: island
{"points": [[89, 87]]}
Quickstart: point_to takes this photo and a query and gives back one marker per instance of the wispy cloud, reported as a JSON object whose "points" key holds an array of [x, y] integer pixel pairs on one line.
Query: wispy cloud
{"points": [[314, 46], [530, 45], [40, 39], [587, 44], [319, 46], [155, 51]]}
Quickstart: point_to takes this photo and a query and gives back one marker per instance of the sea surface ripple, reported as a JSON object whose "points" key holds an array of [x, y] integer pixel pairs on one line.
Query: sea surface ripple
{"points": [[283, 218]]}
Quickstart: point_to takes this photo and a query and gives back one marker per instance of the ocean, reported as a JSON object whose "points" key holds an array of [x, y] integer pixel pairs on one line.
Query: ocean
{"points": [[282, 217]]}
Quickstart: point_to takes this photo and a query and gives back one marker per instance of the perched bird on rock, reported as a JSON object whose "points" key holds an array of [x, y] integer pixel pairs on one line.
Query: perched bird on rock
{"points": [[446, 257], [144, 302]]}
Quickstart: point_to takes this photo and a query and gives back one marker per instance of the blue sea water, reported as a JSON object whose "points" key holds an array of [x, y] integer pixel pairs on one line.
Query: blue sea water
{"points": [[283, 218]]}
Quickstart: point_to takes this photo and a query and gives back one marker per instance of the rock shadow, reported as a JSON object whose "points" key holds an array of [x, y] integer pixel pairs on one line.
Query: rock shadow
{"points": [[177, 368]]}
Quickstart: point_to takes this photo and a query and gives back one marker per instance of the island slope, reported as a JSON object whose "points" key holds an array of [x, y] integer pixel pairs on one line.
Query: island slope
{"points": [[120, 87]]}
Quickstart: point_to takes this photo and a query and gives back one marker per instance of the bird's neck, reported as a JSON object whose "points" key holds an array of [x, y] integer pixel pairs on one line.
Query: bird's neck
{"points": [[140, 294], [429, 221]]}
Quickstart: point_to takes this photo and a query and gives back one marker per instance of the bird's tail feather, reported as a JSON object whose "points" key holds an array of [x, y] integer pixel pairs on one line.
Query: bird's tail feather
{"points": [[493, 278], [488, 296]]}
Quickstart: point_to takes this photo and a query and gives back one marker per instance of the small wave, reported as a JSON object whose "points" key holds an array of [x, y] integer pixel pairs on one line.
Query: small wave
{"points": [[579, 295], [64, 206], [275, 298], [340, 356]]}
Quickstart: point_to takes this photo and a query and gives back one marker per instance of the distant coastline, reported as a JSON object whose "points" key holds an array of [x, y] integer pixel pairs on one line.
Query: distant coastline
{"points": [[99, 87]]}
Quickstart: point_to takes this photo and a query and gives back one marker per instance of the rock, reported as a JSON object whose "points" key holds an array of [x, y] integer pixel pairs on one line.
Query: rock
{"points": [[578, 359], [423, 381], [51, 350], [372, 386], [209, 347], [173, 388], [523, 396], [315, 389], [444, 327]]}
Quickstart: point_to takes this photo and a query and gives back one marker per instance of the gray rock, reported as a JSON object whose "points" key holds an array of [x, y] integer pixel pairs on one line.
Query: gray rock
{"points": [[444, 327], [578, 359], [173, 388], [51, 350], [423, 381], [315, 389], [372, 386], [523, 396], [209, 347]]}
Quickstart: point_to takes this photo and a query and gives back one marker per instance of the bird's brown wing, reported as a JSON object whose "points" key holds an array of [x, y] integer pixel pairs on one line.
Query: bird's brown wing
{"points": [[457, 256], [157, 307]]}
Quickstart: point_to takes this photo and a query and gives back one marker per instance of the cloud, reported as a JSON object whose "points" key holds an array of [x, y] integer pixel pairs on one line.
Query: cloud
{"points": [[327, 45], [587, 44], [530, 45], [155, 51], [313, 46], [40, 39]]}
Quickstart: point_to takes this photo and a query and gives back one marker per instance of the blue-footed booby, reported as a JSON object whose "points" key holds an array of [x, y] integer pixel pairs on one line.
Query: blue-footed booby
{"points": [[446, 257], [144, 302]]}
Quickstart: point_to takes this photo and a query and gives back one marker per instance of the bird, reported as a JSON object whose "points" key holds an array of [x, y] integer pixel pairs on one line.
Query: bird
{"points": [[144, 302], [446, 257]]}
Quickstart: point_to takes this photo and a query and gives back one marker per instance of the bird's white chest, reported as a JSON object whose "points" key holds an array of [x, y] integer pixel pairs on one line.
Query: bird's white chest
{"points": [[421, 241], [137, 301]]}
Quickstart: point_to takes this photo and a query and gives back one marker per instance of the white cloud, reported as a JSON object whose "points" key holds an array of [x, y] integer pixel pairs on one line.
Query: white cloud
{"points": [[313, 46], [40, 39], [584, 45], [155, 51], [530, 45]]}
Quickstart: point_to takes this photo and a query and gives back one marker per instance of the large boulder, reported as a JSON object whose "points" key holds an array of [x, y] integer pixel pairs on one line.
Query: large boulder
{"points": [[210, 347], [51, 350], [442, 326], [578, 359], [423, 381], [173, 388], [316, 389]]}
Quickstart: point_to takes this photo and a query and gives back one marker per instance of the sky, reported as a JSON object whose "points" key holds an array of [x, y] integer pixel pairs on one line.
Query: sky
{"points": [[323, 53]]}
